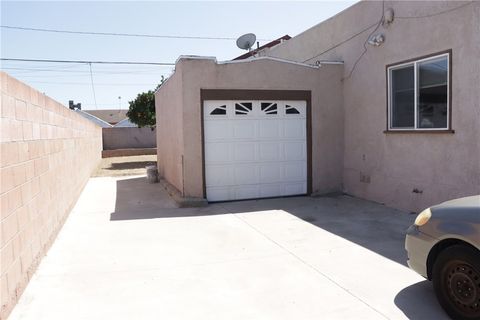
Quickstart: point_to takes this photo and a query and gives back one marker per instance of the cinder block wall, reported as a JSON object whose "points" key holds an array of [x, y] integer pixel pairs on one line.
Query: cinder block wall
{"points": [[47, 155], [128, 138]]}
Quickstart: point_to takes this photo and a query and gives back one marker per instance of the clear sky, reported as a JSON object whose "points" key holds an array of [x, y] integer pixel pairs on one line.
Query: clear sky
{"points": [[63, 82]]}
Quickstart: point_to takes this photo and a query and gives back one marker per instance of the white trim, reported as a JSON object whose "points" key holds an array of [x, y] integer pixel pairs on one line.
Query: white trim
{"points": [[268, 58], [187, 57], [415, 70]]}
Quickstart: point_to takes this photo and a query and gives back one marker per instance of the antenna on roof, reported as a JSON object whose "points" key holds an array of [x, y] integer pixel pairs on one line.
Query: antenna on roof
{"points": [[246, 41]]}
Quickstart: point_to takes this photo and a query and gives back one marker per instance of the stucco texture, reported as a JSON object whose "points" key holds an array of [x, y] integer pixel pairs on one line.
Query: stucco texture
{"points": [[181, 93], [439, 166]]}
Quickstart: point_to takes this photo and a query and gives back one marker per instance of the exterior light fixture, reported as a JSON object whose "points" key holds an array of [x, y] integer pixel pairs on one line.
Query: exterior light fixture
{"points": [[376, 40]]}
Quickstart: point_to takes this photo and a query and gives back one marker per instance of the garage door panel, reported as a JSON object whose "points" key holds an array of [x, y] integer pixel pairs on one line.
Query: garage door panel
{"points": [[219, 175], [294, 188], [244, 129], [294, 129], [218, 193], [294, 171], [257, 152], [269, 151], [245, 174], [218, 130], [271, 190], [269, 173], [269, 129], [244, 151], [294, 150], [217, 152], [246, 192]]}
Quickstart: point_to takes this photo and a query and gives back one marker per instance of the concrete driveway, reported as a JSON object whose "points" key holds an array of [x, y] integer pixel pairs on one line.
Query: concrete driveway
{"points": [[126, 252]]}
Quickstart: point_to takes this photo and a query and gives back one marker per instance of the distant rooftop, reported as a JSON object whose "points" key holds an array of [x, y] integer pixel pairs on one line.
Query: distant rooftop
{"points": [[111, 116]]}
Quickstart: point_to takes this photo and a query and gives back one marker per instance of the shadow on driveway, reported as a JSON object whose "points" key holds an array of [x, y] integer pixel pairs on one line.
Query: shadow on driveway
{"points": [[371, 225], [138, 199], [374, 226], [418, 302]]}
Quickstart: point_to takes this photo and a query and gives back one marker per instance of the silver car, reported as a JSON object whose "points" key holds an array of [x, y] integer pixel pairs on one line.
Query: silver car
{"points": [[443, 245]]}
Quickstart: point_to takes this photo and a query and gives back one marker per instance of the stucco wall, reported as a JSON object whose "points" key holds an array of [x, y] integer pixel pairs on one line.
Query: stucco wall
{"points": [[169, 116], [442, 166], [47, 155], [128, 138], [327, 113]]}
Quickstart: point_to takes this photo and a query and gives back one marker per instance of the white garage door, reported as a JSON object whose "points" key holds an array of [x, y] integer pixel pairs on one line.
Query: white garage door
{"points": [[255, 149]]}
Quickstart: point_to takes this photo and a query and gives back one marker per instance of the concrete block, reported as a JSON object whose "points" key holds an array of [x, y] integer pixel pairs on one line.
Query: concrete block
{"points": [[17, 89], [8, 106], [7, 257], [26, 191], [35, 184], [43, 131], [19, 174], [26, 259], [5, 134], [23, 217], [27, 130], [23, 151], [8, 181], [4, 297], [14, 275], [8, 154], [35, 131], [10, 202], [16, 130], [21, 110], [9, 227], [34, 96]]}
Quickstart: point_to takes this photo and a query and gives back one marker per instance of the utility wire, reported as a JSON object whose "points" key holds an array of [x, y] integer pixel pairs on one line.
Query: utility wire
{"points": [[366, 40], [435, 14], [120, 34], [90, 62], [96, 84], [93, 87], [75, 72], [396, 17]]}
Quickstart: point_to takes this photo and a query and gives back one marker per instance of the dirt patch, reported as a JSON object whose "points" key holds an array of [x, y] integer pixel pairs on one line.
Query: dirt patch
{"points": [[124, 166]]}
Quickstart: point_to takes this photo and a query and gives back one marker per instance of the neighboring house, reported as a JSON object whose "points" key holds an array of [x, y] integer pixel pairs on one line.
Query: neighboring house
{"points": [[380, 101], [94, 119], [125, 123], [111, 116], [260, 50]]}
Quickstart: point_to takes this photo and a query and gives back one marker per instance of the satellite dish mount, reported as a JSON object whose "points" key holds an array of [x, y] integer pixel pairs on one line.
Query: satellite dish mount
{"points": [[246, 41]]}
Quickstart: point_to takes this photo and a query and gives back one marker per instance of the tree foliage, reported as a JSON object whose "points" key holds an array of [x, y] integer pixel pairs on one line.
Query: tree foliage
{"points": [[141, 111]]}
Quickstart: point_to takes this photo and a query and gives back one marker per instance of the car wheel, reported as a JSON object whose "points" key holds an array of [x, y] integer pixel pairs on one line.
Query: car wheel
{"points": [[456, 280]]}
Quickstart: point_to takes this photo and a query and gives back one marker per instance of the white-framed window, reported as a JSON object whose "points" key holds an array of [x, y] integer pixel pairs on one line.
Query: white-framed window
{"points": [[419, 94]]}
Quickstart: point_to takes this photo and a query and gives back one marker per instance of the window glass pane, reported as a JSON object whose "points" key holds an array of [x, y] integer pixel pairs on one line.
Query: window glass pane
{"points": [[432, 93], [402, 97]]}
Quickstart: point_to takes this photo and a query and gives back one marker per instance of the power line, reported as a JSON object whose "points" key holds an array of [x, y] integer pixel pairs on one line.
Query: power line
{"points": [[96, 84], [120, 34], [365, 42], [436, 13], [75, 72], [374, 24], [93, 87], [90, 62]]}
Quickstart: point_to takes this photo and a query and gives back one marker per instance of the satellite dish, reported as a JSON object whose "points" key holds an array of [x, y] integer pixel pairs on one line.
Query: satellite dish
{"points": [[246, 41]]}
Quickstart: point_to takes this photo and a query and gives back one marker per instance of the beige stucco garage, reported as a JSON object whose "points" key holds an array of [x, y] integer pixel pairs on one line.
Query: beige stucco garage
{"points": [[251, 128], [353, 143]]}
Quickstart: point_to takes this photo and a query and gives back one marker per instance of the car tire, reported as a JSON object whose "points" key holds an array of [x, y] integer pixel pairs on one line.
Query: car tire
{"points": [[456, 280]]}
